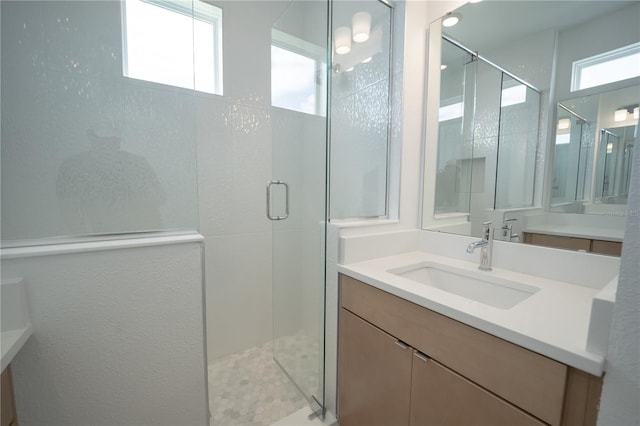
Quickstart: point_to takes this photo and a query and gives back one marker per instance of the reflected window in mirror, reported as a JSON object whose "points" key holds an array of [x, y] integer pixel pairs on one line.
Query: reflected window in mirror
{"points": [[605, 68]]}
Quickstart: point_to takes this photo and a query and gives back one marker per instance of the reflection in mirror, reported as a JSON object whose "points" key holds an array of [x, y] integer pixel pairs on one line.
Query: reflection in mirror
{"points": [[519, 115], [592, 155], [521, 164], [457, 94], [613, 173], [573, 158], [487, 138]]}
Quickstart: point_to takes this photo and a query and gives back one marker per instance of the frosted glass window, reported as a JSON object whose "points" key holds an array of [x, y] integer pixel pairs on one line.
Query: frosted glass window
{"points": [[188, 56], [616, 65]]}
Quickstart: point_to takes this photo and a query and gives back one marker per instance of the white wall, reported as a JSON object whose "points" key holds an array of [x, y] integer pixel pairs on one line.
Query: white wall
{"points": [[621, 391], [118, 337]]}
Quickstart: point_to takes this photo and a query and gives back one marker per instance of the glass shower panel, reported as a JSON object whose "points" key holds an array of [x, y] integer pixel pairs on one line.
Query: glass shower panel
{"points": [[297, 200], [455, 135], [486, 130], [585, 160], [517, 145], [87, 151], [616, 147], [360, 110]]}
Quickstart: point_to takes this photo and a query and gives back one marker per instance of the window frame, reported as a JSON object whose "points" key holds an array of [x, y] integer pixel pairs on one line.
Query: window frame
{"points": [[581, 64], [188, 8]]}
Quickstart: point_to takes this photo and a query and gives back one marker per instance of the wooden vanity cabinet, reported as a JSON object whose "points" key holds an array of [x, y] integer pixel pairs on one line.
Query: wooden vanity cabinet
{"points": [[612, 248], [8, 413], [451, 373], [439, 396], [375, 375]]}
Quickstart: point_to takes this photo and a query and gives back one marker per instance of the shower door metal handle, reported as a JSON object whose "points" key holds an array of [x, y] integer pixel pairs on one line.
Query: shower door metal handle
{"points": [[286, 192]]}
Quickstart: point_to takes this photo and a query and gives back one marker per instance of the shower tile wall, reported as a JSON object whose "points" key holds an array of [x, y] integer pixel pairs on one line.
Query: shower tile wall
{"points": [[61, 81]]}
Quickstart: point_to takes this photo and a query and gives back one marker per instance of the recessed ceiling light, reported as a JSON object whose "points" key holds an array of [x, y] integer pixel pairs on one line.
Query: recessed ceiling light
{"points": [[564, 123], [451, 19], [443, 67]]}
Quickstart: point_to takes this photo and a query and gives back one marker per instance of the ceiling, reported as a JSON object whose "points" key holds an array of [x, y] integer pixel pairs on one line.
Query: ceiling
{"points": [[490, 23]]}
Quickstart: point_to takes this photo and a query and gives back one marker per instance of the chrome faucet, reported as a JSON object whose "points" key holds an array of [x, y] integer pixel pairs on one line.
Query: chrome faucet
{"points": [[506, 232], [486, 247]]}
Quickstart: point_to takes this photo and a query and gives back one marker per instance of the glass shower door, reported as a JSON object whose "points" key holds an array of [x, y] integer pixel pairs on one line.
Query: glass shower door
{"points": [[296, 197]]}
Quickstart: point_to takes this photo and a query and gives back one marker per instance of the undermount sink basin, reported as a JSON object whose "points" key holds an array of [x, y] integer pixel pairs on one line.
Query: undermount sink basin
{"points": [[478, 286]]}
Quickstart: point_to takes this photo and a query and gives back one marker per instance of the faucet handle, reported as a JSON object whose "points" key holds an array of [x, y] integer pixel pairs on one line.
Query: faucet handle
{"points": [[506, 223], [486, 230]]}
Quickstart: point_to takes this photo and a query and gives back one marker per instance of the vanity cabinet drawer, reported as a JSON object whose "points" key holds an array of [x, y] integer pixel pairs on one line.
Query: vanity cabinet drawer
{"points": [[454, 400], [8, 413], [606, 247], [556, 241], [528, 380]]}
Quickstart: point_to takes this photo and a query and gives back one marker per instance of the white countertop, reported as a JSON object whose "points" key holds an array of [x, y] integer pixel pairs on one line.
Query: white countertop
{"points": [[553, 322], [578, 231], [12, 342], [15, 324]]}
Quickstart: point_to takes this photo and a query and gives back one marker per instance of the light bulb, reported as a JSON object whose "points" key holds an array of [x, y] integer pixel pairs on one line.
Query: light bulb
{"points": [[361, 26], [343, 40]]}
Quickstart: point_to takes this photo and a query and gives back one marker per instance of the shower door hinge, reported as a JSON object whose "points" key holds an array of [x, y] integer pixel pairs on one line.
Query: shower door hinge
{"points": [[318, 412]]}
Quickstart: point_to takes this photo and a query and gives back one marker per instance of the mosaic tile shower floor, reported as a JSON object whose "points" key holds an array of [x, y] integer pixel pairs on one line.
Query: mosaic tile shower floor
{"points": [[249, 389]]}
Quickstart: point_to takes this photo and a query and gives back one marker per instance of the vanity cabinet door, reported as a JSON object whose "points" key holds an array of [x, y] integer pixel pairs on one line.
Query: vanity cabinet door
{"points": [[442, 397], [374, 377], [8, 413]]}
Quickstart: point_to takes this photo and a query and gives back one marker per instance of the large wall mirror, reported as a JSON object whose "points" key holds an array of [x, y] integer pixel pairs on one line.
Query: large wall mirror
{"points": [[525, 124]]}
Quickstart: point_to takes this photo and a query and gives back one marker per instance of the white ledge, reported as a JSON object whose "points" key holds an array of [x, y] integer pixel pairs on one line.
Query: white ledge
{"points": [[91, 246]]}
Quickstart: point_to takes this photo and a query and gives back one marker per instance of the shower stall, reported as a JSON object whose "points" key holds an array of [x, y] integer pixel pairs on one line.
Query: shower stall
{"points": [[116, 129], [487, 137]]}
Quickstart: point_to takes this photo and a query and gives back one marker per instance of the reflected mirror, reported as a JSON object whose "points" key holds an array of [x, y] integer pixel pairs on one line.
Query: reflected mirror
{"points": [[592, 152], [509, 138]]}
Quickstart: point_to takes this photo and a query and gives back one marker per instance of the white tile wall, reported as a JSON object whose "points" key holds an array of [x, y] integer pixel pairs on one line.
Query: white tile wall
{"points": [[238, 293]]}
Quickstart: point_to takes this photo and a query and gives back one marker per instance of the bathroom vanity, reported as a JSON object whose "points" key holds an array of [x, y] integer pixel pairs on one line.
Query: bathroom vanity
{"points": [[428, 339], [403, 364]]}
